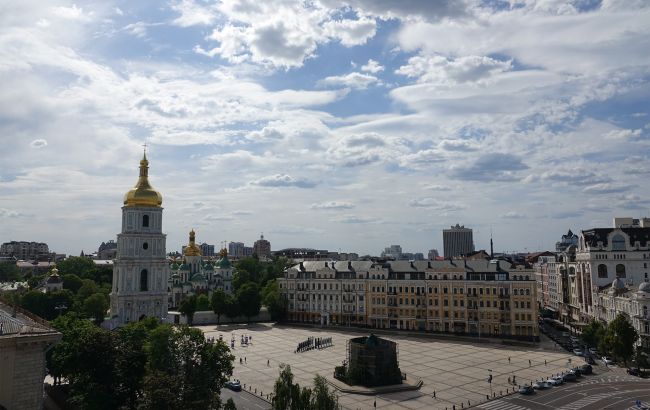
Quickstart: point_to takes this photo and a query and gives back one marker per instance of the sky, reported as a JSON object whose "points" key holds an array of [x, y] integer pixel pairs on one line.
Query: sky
{"points": [[347, 125]]}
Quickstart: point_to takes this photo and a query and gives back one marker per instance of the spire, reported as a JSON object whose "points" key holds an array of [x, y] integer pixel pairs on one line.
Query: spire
{"points": [[143, 193], [491, 246]]}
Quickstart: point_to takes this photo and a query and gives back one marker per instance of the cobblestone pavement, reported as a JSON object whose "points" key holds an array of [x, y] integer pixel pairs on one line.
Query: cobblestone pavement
{"points": [[456, 372]]}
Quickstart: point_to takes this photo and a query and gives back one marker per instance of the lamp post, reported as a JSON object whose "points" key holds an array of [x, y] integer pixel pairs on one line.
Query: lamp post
{"points": [[60, 308]]}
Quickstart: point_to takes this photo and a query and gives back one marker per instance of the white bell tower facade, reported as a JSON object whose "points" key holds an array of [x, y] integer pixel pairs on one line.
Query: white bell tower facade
{"points": [[140, 271]]}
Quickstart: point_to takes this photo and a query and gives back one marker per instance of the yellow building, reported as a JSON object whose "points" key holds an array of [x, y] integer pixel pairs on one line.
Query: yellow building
{"points": [[477, 297]]}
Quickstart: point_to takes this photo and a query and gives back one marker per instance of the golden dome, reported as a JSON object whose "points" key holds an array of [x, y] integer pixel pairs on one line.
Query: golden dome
{"points": [[191, 249], [143, 193]]}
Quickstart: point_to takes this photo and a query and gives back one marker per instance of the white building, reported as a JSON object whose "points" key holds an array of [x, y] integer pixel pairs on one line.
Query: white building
{"points": [[141, 271]]}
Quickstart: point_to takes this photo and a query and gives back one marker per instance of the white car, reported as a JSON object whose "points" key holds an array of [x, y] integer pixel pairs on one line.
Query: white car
{"points": [[555, 381], [543, 385], [593, 350], [578, 352]]}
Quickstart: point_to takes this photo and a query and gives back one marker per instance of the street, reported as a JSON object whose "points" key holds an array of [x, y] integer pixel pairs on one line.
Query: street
{"points": [[244, 400]]}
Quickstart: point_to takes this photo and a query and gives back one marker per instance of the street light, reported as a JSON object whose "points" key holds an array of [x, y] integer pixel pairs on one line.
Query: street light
{"points": [[60, 308]]}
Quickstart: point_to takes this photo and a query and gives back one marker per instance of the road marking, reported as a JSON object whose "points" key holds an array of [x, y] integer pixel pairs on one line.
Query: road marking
{"points": [[585, 401], [501, 405]]}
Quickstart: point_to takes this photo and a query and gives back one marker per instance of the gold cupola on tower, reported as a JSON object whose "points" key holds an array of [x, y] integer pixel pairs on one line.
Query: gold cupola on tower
{"points": [[143, 194], [192, 249]]}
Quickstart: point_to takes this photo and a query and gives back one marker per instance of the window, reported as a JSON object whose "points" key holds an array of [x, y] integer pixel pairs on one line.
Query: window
{"points": [[618, 243], [145, 221], [620, 270], [144, 278], [145, 246], [602, 271]]}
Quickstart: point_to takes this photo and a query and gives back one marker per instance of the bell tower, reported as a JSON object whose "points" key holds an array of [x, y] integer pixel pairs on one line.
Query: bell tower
{"points": [[140, 271]]}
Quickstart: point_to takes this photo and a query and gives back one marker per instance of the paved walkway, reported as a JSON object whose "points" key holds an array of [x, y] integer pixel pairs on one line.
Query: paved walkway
{"points": [[456, 371]]}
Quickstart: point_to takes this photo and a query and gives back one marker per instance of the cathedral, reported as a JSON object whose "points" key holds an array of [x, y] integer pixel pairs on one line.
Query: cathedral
{"points": [[140, 271], [196, 275]]}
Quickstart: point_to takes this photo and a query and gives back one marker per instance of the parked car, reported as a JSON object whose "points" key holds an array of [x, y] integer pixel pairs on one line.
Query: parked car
{"points": [[578, 352], [586, 369], [556, 381], [576, 371], [526, 389], [569, 377], [593, 350], [633, 371], [234, 385], [542, 385]]}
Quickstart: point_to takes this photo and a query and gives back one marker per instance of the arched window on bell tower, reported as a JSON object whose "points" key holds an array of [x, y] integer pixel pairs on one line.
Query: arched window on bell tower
{"points": [[143, 280], [145, 221]]}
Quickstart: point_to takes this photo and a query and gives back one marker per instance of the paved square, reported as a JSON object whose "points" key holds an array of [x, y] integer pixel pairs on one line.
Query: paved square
{"points": [[456, 371]]}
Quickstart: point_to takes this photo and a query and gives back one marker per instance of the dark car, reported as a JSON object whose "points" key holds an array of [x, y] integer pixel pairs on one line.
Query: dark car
{"points": [[526, 389], [586, 369], [633, 371], [234, 385], [576, 371], [570, 377]]}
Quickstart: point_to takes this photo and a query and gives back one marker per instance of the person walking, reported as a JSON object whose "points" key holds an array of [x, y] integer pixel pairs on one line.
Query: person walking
{"points": [[508, 359], [267, 362], [529, 363]]}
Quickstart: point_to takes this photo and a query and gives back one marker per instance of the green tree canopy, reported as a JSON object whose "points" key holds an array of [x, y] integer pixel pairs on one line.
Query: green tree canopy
{"points": [[95, 307], [77, 265], [9, 272], [322, 398], [188, 308], [202, 303], [593, 333], [72, 282], [232, 307], [230, 404], [218, 303], [248, 299], [620, 338], [273, 299]]}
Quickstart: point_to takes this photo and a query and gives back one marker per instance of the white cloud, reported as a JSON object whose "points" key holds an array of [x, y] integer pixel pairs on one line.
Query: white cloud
{"points": [[353, 80], [443, 71], [72, 13], [333, 205], [193, 14], [283, 180], [436, 204], [38, 143], [372, 67], [514, 215], [351, 32]]}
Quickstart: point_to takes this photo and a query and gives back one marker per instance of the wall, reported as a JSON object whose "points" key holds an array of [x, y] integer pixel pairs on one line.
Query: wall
{"points": [[210, 318]]}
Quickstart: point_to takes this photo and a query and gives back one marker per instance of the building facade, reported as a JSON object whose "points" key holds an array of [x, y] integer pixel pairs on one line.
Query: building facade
{"points": [[23, 250], [24, 339], [457, 241], [140, 271], [262, 248], [490, 298], [197, 274], [633, 302]]}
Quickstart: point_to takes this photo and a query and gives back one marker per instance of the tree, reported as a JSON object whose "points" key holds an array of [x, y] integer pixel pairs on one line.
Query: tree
{"points": [[283, 389], [88, 288], [641, 358], [230, 405], [9, 272], [38, 303], [218, 303], [80, 266], [202, 303], [247, 270], [232, 307], [620, 338], [248, 299], [322, 398], [593, 333], [188, 308], [72, 282], [274, 300], [95, 307]]}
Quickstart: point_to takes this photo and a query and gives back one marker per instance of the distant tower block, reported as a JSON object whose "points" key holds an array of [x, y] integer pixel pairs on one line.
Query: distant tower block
{"points": [[457, 241]]}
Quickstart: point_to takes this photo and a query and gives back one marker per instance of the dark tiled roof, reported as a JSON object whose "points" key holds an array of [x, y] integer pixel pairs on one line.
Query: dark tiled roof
{"points": [[23, 323], [593, 236], [456, 265]]}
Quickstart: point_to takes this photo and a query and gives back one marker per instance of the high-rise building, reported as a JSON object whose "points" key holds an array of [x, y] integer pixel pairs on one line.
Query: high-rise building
{"points": [[140, 271], [262, 247], [236, 249], [207, 250], [457, 241]]}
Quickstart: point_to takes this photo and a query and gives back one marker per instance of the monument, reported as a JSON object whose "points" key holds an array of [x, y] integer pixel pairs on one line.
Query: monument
{"points": [[371, 362]]}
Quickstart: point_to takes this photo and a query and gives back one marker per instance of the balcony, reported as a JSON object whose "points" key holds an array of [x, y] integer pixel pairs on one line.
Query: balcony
{"points": [[506, 296]]}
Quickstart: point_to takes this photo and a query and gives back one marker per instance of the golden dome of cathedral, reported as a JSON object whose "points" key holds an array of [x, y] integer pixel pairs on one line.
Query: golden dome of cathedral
{"points": [[143, 194], [192, 249]]}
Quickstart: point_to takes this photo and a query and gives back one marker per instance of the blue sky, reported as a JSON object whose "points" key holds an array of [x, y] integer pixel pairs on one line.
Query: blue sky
{"points": [[341, 124]]}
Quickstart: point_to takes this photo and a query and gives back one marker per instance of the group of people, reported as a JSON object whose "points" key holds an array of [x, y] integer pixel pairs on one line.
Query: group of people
{"points": [[246, 340], [314, 343]]}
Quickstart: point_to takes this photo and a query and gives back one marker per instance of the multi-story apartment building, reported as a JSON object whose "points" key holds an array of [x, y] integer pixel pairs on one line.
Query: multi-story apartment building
{"points": [[262, 248], [633, 303], [23, 250], [236, 249], [478, 297], [605, 254], [457, 241]]}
